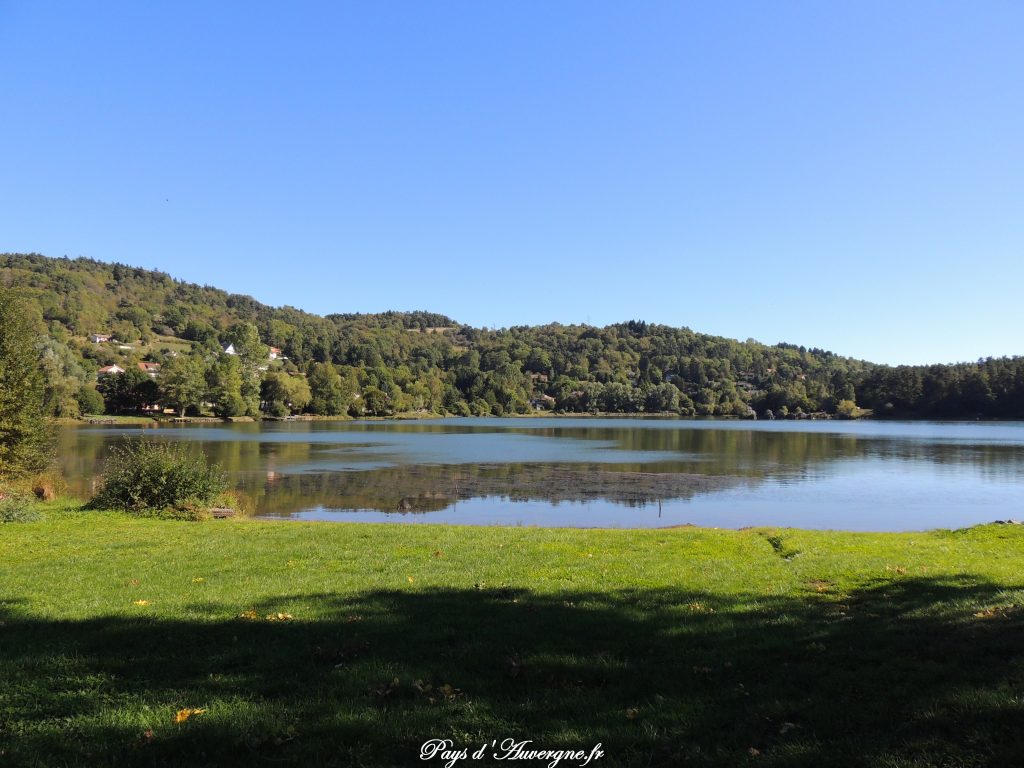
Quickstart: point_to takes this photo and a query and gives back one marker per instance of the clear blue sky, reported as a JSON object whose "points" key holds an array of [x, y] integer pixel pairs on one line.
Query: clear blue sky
{"points": [[842, 175]]}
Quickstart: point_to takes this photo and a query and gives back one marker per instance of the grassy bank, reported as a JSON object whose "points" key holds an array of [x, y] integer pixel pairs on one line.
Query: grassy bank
{"points": [[335, 644]]}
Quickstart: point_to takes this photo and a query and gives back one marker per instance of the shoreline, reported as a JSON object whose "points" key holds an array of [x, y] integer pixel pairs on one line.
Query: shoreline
{"points": [[146, 420]]}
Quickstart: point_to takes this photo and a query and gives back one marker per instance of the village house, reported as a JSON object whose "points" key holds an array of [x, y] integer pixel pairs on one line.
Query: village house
{"points": [[150, 369], [275, 354], [109, 370], [230, 350], [543, 402], [100, 338]]}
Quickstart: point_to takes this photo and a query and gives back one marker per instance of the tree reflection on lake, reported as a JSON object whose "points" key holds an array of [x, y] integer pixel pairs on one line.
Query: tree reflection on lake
{"points": [[609, 472]]}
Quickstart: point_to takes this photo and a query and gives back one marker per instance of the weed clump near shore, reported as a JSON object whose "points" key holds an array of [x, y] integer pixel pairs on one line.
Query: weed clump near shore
{"points": [[17, 507], [155, 478]]}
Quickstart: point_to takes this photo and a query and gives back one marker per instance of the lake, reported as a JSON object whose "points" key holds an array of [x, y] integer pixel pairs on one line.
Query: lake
{"points": [[631, 473]]}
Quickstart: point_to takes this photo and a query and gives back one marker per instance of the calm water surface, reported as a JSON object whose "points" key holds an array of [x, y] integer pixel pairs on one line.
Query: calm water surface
{"points": [[605, 472]]}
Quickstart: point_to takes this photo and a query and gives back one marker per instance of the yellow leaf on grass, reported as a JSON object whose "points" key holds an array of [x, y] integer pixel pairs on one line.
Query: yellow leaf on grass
{"points": [[185, 714], [141, 602], [198, 580], [251, 615]]}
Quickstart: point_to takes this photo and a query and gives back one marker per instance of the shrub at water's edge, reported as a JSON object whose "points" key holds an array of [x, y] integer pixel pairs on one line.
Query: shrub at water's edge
{"points": [[149, 477], [17, 507]]}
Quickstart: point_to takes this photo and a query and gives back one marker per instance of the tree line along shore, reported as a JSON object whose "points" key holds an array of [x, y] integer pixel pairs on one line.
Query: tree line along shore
{"points": [[117, 340]]}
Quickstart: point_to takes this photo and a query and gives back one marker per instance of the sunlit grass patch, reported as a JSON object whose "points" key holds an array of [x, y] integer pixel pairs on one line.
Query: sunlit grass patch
{"points": [[137, 641]]}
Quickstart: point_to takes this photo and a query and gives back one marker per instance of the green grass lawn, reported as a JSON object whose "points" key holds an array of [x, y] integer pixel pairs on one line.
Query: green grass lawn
{"points": [[349, 644]]}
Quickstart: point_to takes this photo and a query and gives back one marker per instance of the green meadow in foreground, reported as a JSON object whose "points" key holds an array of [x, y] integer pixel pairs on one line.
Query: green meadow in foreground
{"points": [[151, 642]]}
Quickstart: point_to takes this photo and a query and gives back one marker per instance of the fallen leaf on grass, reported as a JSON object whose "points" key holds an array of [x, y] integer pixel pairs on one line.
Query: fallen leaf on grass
{"points": [[632, 713], [699, 608], [449, 692], [446, 691], [198, 580], [141, 602], [995, 612], [426, 689], [185, 714], [251, 615]]}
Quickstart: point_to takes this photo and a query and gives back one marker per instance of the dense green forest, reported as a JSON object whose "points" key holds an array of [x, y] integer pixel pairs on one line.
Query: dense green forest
{"points": [[286, 361]]}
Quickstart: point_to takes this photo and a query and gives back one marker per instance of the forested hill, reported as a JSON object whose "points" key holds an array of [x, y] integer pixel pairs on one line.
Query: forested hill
{"points": [[381, 364]]}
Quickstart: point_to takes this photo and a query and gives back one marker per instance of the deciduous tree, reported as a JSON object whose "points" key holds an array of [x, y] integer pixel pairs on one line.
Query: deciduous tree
{"points": [[26, 437]]}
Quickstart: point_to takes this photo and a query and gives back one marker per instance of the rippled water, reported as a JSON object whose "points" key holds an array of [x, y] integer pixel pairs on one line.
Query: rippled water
{"points": [[605, 472]]}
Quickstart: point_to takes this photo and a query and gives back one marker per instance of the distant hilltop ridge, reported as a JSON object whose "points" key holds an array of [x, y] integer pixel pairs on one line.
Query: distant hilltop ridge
{"points": [[99, 315]]}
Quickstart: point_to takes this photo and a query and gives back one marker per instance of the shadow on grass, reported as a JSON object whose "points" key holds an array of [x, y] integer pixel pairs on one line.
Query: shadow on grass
{"points": [[911, 671]]}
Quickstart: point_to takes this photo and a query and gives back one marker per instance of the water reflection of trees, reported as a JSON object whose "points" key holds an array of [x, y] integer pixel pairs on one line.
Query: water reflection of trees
{"points": [[287, 475], [746, 452], [766, 454], [426, 488]]}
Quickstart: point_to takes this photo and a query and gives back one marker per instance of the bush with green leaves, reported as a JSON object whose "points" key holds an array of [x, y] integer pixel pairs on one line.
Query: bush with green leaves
{"points": [[147, 475], [17, 508]]}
